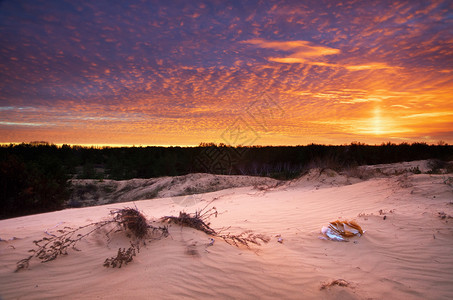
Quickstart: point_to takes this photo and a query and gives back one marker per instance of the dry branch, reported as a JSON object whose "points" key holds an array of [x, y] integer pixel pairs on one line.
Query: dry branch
{"points": [[49, 249], [135, 225], [128, 219], [196, 220], [199, 219]]}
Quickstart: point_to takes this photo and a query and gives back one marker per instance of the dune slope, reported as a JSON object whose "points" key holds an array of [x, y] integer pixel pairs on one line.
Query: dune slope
{"points": [[406, 255]]}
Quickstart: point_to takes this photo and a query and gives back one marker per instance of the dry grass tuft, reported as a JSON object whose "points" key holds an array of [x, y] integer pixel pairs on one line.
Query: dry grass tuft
{"points": [[122, 257], [197, 220], [338, 282], [133, 220]]}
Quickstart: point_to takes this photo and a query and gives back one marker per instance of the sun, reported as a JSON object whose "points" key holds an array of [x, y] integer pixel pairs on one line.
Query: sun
{"points": [[377, 122]]}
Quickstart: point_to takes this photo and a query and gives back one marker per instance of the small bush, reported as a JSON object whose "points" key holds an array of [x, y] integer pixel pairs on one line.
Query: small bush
{"points": [[133, 220], [196, 221]]}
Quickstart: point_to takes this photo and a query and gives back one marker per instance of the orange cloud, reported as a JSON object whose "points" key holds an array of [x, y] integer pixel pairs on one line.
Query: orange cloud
{"points": [[304, 48], [369, 66], [302, 51]]}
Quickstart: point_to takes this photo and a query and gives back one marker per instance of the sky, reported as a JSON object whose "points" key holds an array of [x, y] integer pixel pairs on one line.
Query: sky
{"points": [[110, 72]]}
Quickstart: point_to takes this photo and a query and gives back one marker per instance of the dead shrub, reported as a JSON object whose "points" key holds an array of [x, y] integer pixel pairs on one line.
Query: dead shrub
{"points": [[136, 227], [129, 220], [197, 220]]}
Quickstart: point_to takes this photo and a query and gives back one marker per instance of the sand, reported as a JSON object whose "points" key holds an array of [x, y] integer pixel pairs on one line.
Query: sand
{"points": [[406, 255], [92, 192]]}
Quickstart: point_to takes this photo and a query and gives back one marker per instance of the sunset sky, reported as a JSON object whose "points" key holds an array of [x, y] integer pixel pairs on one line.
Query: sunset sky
{"points": [[235, 72]]}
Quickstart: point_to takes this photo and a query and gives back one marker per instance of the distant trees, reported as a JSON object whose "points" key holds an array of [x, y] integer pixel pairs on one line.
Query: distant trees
{"points": [[31, 186]]}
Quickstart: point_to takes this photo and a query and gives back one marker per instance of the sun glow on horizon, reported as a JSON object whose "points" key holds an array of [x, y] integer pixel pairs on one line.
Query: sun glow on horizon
{"points": [[377, 122]]}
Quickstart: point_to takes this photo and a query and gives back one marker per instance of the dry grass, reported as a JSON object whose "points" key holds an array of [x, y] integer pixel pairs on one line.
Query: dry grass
{"points": [[122, 257], [197, 220], [49, 248], [135, 225], [128, 220], [133, 220], [338, 282]]}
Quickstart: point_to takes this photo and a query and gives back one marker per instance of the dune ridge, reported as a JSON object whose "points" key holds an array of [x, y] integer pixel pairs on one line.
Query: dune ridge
{"points": [[92, 192]]}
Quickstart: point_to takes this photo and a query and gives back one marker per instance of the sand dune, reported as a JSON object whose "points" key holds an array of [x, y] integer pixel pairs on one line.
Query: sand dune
{"points": [[407, 255], [92, 192]]}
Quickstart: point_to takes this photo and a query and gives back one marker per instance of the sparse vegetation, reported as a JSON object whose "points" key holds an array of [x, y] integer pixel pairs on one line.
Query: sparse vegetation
{"points": [[129, 220], [134, 224], [199, 219]]}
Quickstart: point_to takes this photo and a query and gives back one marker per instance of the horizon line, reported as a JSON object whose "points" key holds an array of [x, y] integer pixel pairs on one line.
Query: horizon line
{"points": [[205, 144]]}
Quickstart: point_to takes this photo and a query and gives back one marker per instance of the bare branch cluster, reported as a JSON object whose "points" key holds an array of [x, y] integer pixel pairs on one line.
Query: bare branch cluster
{"points": [[49, 248], [135, 225], [129, 220], [197, 220]]}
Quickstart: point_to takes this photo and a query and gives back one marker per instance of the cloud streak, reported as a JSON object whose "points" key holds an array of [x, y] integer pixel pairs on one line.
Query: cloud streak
{"points": [[304, 52]]}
